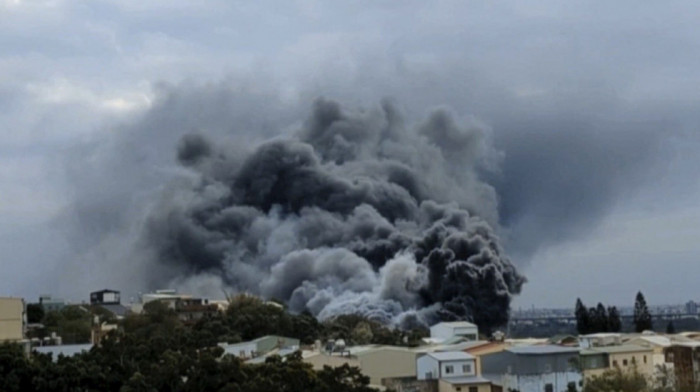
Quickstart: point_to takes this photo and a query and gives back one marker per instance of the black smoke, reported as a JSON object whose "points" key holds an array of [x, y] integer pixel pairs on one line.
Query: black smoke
{"points": [[356, 213]]}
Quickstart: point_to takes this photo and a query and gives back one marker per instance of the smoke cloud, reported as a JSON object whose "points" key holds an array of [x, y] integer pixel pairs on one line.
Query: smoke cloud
{"points": [[355, 213]]}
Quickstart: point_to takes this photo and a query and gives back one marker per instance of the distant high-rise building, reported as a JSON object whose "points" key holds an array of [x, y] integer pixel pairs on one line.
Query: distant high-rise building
{"points": [[691, 307]]}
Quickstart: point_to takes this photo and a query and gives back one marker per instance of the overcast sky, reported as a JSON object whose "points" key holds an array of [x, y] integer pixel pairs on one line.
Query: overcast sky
{"points": [[593, 106]]}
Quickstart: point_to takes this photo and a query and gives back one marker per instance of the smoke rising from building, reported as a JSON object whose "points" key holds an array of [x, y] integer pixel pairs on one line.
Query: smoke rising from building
{"points": [[357, 212]]}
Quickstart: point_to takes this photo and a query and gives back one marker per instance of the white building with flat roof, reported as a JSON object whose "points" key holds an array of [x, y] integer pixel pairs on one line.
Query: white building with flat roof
{"points": [[449, 329], [445, 364]]}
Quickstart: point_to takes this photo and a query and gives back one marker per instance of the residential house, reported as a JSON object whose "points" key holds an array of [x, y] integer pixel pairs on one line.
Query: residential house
{"points": [[445, 364], [627, 357], [12, 319], [658, 344], [454, 370], [449, 329], [543, 368], [259, 346]]}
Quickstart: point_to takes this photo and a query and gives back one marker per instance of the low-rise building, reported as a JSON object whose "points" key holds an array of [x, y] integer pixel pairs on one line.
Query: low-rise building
{"points": [[259, 346], [454, 371], [378, 362], [105, 297], [595, 361], [110, 301], [466, 384], [544, 368], [658, 345], [12, 319], [445, 364], [685, 358], [50, 304], [449, 329], [600, 339]]}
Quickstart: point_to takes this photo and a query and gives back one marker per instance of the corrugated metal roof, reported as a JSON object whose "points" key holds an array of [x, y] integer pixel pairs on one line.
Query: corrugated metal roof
{"points": [[451, 356], [625, 348], [542, 350]]}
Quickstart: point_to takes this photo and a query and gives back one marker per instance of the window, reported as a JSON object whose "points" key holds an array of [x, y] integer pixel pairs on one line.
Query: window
{"points": [[473, 389], [466, 368], [458, 389], [624, 362], [571, 386], [449, 369], [645, 359], [634, 360], [615, 362], [548, 388]]}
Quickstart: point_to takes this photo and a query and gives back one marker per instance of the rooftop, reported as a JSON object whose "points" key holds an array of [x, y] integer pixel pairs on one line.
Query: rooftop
{"points": [[625, 348], [451, 356], [457, 324], [662, 341], [465, 380], [542, 350]]}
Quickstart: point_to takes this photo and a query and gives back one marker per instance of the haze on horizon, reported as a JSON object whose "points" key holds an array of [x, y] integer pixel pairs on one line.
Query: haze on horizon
{"points": [[590, 107]]}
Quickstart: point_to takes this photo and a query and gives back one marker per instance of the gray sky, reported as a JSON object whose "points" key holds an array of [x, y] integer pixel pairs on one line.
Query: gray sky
{"points": [[593, 106]]}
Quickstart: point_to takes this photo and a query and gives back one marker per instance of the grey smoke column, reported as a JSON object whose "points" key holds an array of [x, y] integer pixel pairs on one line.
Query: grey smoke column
{"points": [[357, 213]]}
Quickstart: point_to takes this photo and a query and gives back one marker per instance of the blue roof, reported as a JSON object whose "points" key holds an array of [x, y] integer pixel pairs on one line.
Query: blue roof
{"points": [[542, 350]]}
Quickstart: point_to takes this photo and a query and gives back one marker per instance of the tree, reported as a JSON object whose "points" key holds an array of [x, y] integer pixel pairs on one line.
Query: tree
{"points": [[642, 317], [670, 328], [617, 380], [35, 313], [599, 318], [582, 319], [614, 322]]}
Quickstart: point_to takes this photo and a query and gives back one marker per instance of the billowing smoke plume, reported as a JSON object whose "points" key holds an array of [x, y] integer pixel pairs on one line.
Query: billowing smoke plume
{"points": [[357, 213]]}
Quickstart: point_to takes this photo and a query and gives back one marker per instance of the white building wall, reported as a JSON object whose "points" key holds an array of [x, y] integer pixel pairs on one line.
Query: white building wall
{"points": [[427, 364], [537, 382], [457, 367], [446, 331], [243, 350]]}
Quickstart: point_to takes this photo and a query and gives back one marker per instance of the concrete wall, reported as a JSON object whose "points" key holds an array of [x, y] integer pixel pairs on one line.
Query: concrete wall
{"points": [[458, 368], [537, 382], [410, 384], [446, 331], [447, 387], [387, 363], [269, 343], [318, 361], [241, 350], [12, 319]]}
